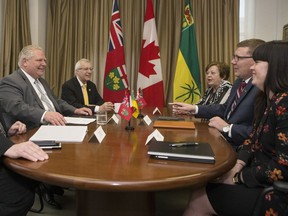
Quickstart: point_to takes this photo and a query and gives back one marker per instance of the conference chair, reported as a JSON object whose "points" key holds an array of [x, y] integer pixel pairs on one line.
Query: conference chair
{"points": [[279, 187]]}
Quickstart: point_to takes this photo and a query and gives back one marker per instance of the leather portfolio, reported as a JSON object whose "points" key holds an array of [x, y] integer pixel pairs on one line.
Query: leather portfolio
{"points": [[179, 151]]}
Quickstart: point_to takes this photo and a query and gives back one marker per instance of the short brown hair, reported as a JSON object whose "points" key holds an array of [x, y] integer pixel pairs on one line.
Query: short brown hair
{"points": [[252, 44], [224, 69]]}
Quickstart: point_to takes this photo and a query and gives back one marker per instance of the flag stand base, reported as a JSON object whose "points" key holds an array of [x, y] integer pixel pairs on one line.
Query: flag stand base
{"points": [[129, 127]]}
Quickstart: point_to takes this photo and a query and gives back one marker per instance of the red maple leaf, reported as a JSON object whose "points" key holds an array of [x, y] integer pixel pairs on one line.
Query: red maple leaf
{"points": [[149, 53]]}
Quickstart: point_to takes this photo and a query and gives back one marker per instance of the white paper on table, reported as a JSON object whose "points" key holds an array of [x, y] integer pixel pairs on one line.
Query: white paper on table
{"points": [[60, 133], [79, 120]]}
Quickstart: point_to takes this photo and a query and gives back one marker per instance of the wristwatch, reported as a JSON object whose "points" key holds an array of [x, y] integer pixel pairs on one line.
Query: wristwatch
{"points": [[226, 129], [236, 179]]}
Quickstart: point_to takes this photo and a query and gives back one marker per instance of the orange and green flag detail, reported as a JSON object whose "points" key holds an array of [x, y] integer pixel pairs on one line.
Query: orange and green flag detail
{"points": [[187, 80]]}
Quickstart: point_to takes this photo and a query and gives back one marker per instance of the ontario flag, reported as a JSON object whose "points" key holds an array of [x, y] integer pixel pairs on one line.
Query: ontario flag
{"points": [[150, 72], [125, 109], [115, 77]]}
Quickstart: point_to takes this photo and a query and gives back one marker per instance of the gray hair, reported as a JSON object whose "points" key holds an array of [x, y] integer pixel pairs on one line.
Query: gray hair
{"points": [[27, 53], [78, 64]]}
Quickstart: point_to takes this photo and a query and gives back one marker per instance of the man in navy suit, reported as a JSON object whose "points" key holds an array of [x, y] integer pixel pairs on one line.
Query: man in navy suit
{"points": [[233, 119], [73, 92]]}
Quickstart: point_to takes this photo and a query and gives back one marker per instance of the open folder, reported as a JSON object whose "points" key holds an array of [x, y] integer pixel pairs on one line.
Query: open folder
{"points": [[181, 151], [60, 133]]}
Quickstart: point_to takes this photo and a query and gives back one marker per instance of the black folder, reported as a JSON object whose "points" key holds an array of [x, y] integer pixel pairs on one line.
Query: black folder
{"points": [[189, 151]]}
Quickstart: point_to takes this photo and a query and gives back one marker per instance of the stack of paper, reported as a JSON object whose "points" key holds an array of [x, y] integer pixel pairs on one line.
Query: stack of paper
{"points": [[60, 133], [78, 120]]}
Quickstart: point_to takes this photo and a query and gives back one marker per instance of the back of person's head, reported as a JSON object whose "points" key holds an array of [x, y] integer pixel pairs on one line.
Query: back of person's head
{"points": [[27, 52], [224, 69], [252, 44], [276, 54], [78, 65]]}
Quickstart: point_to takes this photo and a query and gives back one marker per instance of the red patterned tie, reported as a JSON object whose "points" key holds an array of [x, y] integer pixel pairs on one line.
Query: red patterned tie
{"points": [[238, 95]]}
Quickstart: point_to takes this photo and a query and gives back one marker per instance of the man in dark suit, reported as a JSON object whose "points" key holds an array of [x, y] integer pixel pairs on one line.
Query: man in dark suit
{"points": [[25, 96], [235, 117], [73, 90], [17, 192]]}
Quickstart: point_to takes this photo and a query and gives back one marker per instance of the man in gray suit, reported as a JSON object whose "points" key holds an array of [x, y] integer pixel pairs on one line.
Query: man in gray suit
{"points": [[26, 96]]}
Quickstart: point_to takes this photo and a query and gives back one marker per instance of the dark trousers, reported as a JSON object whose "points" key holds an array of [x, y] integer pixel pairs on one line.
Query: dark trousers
{"points": [[16, 193]]}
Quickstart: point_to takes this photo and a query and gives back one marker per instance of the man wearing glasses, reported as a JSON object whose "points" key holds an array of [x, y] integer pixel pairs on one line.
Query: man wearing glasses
{"points": [[233, 118], [81, 91]]}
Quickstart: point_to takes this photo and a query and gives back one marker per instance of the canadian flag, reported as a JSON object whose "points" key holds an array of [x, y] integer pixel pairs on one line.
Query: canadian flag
{"points": [[150, 73]]}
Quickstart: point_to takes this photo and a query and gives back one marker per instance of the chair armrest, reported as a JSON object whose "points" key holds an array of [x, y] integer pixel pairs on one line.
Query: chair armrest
{"points": [[281, 186]]}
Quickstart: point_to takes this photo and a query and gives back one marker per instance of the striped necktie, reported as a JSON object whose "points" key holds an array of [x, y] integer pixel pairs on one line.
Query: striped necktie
{"points": [[85, 94], [238, 95], [44, 97]]}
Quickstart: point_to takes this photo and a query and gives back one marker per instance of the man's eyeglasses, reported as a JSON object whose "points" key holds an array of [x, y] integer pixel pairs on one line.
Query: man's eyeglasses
{"points": [[86, 69], [237, 58]]}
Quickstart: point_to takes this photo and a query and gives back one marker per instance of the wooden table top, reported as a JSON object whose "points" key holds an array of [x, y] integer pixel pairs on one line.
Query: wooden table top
{"points": [[121, 162]]}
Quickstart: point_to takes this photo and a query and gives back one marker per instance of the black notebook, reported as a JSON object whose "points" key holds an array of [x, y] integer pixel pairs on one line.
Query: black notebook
{"points": [[182, 151]]}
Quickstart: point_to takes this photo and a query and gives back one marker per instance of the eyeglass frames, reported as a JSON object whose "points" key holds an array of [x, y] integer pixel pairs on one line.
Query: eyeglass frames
{"points": [[237, 57]]}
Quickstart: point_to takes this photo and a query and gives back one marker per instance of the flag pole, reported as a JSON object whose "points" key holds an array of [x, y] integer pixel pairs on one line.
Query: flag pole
{"points": [[129, 127], [140, 115]]}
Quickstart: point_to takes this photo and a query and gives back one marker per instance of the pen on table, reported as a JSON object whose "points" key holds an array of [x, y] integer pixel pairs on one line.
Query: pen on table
{"points": [[183, 144]]}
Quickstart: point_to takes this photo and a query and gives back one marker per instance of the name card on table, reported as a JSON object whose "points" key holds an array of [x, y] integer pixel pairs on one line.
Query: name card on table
{"points": [[99, 134], [155, 134], [147, 120], [156, 110], [114, 118]]}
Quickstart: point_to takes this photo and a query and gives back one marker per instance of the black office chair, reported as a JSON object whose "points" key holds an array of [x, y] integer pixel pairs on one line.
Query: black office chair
{"points": [[280, 190]]}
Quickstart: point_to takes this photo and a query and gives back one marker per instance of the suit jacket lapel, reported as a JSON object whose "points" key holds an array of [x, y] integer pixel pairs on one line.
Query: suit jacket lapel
{"points": [[245, 91], [78, 89], [233, 95]]}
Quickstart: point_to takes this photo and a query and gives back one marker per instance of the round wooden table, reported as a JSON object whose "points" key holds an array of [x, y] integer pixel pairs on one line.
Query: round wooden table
{"points": [[118, 172]]}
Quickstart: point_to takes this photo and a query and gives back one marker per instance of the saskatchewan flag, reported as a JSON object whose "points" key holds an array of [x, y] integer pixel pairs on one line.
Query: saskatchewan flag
{"points": [[187, 85]]}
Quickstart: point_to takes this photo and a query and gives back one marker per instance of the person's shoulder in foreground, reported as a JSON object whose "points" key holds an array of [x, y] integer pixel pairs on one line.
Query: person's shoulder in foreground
{"points": [[16, 191]]}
